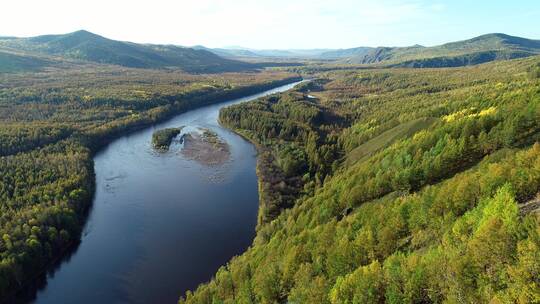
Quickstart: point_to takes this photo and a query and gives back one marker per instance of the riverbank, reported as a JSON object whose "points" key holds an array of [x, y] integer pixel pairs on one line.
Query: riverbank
{"points": [[277, 189], [100, 137], [271, 180]]}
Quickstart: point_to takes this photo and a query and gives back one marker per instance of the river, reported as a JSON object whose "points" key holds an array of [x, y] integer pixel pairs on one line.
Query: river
{"points": [[160, 223]]}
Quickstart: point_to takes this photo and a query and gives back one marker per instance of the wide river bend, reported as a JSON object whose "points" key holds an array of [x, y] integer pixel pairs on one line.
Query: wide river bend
{"points": [[160, 223]]}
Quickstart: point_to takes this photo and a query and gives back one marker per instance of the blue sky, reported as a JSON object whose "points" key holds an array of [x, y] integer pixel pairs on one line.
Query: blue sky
{"points": [[279, 24]]}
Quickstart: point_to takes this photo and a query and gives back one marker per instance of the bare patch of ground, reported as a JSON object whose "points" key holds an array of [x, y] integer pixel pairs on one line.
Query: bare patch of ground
{"points": [[206, 148], [532, 206]]}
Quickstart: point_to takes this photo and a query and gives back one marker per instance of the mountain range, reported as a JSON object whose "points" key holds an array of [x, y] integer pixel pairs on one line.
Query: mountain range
{"points": [[266, 53], [477, 50], [18, 54], [86, 46], [467, 52]]}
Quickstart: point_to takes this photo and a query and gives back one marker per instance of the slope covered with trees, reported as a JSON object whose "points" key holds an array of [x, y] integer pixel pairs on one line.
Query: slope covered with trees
{"points": [[473, 51], [52, 123], [420, 199], [83, 45]]}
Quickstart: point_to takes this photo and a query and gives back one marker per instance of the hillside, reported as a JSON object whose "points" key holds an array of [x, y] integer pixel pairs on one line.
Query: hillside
{"points": [[13, 62], [477, 50], [83, 45], [393, 186], [485, 48], [346, 53]]}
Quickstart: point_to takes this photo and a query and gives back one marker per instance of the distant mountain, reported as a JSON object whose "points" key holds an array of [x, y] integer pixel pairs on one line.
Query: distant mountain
{"points": [[232, 52], [83, 45], [223, 52], [345, 53], [17, 54], [293, 53], [477, 50]]}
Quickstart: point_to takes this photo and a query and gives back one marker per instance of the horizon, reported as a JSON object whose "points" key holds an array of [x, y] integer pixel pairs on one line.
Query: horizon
{"points": [[276, 25]]}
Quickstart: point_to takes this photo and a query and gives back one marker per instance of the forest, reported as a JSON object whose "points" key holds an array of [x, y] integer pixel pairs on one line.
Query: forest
{"points": [[393, 185], [54, 121]]}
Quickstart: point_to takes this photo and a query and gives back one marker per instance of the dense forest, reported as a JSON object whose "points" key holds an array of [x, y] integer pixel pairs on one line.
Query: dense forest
{"points": [[297, 142], [53, 121], [393, 186]]}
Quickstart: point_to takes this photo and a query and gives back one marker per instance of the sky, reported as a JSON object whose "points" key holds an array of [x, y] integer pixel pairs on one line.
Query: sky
{"points": [[274, 24]]}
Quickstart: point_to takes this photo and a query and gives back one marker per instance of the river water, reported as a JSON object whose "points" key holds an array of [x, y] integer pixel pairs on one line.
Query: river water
{"points": [[160, 224]]}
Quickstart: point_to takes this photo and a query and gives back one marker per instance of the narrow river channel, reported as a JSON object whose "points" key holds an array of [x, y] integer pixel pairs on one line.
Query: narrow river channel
{"points": [[161, 223]]}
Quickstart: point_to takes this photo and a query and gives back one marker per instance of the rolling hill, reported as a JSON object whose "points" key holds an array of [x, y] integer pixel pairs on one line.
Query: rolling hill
{"points": [[35, 52], [477, 50], [12, 62], [481, 49], [83, 45], [346, 53]]}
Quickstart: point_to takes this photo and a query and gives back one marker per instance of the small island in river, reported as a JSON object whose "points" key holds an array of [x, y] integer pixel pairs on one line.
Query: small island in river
{"points": [[207, 148], [161, 139]]}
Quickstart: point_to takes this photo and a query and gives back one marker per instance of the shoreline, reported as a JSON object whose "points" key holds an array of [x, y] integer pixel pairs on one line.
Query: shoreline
{"points": [[264, 155]]}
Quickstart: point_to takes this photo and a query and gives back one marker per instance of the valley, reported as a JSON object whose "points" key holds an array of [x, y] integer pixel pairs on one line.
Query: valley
{"points": [[158, 173]]}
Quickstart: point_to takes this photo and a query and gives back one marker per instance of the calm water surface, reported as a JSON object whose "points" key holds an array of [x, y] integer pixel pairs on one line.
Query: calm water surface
{"points": [[160, 224]]}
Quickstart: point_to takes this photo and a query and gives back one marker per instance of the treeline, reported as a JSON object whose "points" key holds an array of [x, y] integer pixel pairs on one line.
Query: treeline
{"points": [[431, 215], [52, 125]]}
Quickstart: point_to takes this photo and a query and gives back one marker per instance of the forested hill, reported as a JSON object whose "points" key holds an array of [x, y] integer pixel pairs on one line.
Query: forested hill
{"points": [[394, 186], [83, 45], [477, 50], [36, 52]]}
